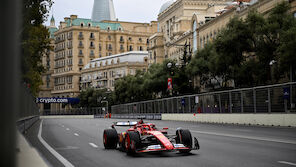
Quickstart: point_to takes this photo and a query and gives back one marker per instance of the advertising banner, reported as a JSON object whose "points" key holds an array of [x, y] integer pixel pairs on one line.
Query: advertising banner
{"points": [[57, 100]]}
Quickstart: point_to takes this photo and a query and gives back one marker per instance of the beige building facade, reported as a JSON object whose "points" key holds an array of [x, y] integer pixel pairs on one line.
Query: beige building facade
{"points": [[208, 31], [101, 73], [175, 25], [78, 41]]}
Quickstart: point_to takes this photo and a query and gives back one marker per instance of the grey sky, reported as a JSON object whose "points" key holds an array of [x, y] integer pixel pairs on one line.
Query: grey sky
{"points": [[125, 10]]}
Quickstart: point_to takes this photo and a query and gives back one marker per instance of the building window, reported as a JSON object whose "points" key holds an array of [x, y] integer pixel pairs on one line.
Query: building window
{"points": [[141, 48], [140, 39], [81, 24], [109, 37], [110, 54], [121, 47], [92, 35], [121, 39], [108, 28], [91, 44], [110, 47], [130, 38], [119, 28], [100, 47], [131, 48], [89, 25], [80, 52], [80, 61]]}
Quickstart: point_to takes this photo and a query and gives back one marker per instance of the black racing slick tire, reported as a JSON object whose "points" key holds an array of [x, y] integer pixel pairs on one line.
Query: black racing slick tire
{"points": [[110, 138], [184, 137], [132, 142]]}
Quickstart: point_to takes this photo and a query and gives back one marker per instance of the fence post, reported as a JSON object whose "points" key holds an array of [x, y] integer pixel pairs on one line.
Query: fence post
{"points": [[220, 103], [254, 101], [242, 102], [189, 104], [269, 100], [230, 102]]}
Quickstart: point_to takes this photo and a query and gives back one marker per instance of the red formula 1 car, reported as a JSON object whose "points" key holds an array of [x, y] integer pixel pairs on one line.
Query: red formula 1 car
{"points": [[145, 137]]}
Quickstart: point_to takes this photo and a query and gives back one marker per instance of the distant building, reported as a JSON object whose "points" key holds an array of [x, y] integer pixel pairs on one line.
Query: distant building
{"points": [[174, 26], [48, 63], [103, 10], [101, 73]]}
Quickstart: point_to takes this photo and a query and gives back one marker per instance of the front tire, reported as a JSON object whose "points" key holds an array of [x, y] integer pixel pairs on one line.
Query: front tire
{"points": [[110, 138], [132, 142], [184, 137]]}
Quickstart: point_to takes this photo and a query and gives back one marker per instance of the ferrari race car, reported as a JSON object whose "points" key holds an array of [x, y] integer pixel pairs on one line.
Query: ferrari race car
{"points": [[145, 137]]}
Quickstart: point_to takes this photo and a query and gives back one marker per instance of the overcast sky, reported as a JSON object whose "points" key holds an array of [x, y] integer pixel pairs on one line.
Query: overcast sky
{"points": [[125, 10]]}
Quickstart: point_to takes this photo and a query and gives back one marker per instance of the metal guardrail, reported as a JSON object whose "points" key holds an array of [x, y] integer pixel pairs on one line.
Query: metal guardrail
{"points": [[29, 111], [261, 99]]}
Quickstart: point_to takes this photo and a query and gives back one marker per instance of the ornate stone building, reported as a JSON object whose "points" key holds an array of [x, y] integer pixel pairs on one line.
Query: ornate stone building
{"points": [[78, 41], [101, 73], [175, 25]]}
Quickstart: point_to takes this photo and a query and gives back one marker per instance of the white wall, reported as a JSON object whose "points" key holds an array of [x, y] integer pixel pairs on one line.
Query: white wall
{"points": [[253, 119]]}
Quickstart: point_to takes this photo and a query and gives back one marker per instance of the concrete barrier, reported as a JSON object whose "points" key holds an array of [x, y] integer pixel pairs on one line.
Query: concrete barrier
{"points": [[252, 119], [67, 116]]}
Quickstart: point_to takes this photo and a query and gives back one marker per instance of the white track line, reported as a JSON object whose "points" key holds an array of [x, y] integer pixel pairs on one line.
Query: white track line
{"points": [[247, 137], [50, 149], [287, 163], [93, 145], [67, 129], [76, 134]]}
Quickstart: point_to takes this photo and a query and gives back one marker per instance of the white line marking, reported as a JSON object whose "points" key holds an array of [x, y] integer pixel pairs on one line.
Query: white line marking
{"points": [[76, 134], [67, 129], [93, 145], [288, 163], [247, 137], [50, 149], [66, 148]]}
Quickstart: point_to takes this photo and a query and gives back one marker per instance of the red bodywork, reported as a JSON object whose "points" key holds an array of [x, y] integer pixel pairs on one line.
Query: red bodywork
{"points": [[150, 129]]}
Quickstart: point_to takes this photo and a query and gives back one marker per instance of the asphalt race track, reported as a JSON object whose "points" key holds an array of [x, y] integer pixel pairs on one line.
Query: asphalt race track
{"points": [[80, 143]]}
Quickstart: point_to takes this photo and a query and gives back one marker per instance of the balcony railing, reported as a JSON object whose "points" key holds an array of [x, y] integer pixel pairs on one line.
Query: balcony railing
{"points": [[80, 36]]}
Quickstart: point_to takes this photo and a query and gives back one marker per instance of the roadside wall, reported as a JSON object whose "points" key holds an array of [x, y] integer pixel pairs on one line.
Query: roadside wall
{"points": [[252, 119]]}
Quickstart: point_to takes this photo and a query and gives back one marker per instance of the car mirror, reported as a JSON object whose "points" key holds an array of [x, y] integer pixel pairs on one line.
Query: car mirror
{"points": [[165, 128]]}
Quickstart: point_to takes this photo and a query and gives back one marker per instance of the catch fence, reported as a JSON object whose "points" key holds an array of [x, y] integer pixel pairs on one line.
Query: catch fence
{"points": [[279, 98]]}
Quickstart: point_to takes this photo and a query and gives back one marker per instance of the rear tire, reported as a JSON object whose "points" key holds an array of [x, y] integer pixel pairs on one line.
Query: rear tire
{"points": [[184, 137], [110, 138], [132, 142]]}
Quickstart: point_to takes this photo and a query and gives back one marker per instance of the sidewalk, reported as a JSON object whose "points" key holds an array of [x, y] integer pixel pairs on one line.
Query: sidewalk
{"points": [[27, 156]]}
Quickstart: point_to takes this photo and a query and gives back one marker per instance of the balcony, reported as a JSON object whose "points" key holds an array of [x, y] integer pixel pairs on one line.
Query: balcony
{"points": [[91, 55], [80, 63], [80, 37], [109, 49], [92, 38], [80, 46], [80, 54], [121, 41], [70, 37], [70, 46], [92, 47], [70, 55]]}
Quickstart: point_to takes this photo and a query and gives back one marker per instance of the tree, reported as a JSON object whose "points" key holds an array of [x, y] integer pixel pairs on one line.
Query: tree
{"points": [[35, 41]]}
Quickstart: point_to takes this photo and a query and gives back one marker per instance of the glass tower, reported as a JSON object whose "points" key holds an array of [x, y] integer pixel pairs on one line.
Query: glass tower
{"points": [[103, 10]]}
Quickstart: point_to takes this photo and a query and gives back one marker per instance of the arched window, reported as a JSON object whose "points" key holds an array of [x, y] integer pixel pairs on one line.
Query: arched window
{"points": [[81, 24]]}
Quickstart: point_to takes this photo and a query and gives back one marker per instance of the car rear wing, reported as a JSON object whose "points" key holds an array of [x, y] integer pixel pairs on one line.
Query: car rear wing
{"points": [[128, 123]]}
